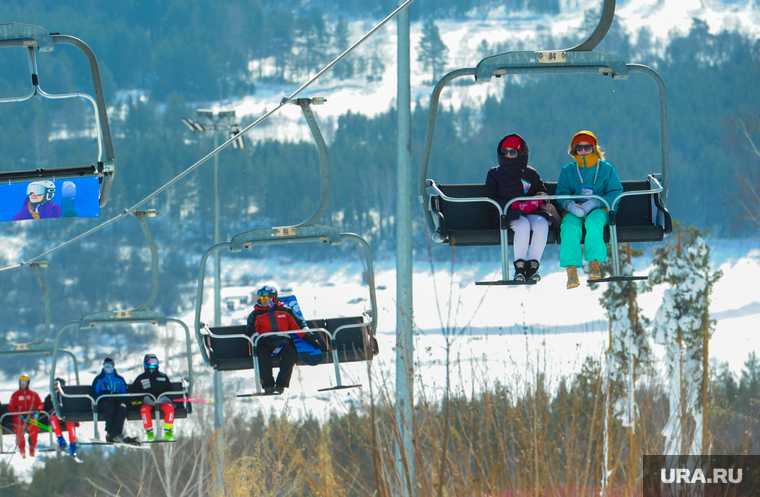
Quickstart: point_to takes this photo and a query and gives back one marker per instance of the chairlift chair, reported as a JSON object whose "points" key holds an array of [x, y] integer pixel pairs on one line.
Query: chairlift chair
{"points": [[6, 427], [15, 35], [228, 348], [457, 214], [77, 404]]}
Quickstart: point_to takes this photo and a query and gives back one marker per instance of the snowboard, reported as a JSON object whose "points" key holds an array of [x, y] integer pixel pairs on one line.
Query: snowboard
{"points": [[309, 353]]}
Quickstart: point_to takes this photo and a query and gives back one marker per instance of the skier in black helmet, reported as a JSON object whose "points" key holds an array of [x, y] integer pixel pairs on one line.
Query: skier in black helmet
{"points": [[154, 382]]}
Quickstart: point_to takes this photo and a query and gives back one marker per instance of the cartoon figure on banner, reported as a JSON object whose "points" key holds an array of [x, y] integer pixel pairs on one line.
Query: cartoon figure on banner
{"points": [[38, 203]]}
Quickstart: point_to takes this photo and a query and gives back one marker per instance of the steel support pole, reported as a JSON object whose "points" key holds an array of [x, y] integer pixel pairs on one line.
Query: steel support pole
{"points": [[218, 383], [404, 344]]}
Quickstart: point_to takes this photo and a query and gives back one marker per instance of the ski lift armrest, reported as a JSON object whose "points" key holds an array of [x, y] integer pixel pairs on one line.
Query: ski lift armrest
{"points": [[96, 404], [662, 216], [653, 191], [442, 195], [6, 419]]}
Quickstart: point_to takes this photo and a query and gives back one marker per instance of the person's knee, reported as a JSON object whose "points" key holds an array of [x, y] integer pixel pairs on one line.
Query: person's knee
{"points": [[570, 227], [520, 223], [539, 224]]}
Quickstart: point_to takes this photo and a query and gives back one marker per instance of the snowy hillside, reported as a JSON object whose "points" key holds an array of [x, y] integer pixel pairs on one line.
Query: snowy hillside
{"points": [[462, 38], [495, 334]]}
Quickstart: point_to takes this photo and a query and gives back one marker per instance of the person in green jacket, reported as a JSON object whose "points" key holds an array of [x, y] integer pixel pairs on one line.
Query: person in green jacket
{"points": [[588, 174]]}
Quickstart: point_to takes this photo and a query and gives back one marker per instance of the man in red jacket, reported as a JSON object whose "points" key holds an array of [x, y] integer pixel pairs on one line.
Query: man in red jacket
{"points": [[270, 315], [25, 400]]}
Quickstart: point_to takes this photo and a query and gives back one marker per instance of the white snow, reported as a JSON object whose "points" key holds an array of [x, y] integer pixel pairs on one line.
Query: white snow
{"points": [[664, 19]]}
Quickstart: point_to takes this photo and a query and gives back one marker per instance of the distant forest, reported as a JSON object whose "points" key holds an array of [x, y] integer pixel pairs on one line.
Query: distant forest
{"points": [[161, 60]]}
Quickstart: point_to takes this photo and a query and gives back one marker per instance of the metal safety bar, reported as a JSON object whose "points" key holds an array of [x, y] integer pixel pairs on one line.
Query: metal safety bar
{"points": [[94, 402], [22, 413], [503, 227]]}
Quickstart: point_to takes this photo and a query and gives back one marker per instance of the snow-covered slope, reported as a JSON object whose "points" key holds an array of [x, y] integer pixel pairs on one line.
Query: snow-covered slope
{"points": [[462, 37]]}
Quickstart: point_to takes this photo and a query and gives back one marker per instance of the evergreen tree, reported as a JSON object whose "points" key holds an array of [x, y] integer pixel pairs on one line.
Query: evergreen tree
{"points": [[749, 385], [340, 42], [743, 130], [432, 51], [682, 324], [630, 348], [630, 352]]}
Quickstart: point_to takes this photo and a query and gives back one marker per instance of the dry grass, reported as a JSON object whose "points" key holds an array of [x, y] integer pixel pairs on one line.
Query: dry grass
{"points": [[524, 438]]}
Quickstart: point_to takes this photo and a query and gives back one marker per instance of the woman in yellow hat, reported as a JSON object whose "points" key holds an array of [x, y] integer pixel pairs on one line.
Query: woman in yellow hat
{"points": [[587, 174]]}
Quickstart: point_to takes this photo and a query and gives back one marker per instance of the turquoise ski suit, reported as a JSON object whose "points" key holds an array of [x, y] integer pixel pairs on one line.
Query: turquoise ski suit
{"points": [[607, 185]]}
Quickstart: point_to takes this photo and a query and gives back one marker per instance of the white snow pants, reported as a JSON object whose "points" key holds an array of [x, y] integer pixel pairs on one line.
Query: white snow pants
{"points": [[522, 228]]}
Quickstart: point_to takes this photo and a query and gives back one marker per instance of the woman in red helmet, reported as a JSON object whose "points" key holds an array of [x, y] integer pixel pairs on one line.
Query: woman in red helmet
{"points": [[513, 177]]}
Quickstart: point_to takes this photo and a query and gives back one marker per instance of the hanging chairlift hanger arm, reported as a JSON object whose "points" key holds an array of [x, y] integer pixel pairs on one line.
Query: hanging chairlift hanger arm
{"points": [[141, 215], [601, 30]]}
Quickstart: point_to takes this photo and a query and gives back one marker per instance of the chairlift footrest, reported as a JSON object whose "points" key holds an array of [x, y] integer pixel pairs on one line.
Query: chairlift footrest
{"points": [[611, 279], [341, 387], [259, 394], [506, 283]]}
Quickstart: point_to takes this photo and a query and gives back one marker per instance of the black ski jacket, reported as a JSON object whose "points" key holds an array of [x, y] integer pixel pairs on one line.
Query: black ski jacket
{"points": [[152, 383]]}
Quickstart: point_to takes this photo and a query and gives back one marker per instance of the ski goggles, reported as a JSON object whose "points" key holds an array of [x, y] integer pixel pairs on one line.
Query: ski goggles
{"points": [[584, 148], [23, 382], [108, 367], [33, 189], [152, 363], [509, 152]]}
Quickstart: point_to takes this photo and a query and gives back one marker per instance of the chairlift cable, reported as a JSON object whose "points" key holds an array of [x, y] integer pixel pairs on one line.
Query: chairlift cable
{"points": [[216, 150]]}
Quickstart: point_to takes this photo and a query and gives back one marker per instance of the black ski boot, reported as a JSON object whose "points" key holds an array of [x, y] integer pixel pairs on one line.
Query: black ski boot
{"points": [[520, 267], [531, 273]]}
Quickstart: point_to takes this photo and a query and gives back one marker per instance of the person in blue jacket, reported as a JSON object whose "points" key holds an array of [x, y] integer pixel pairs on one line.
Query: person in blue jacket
{"points": [[114, 408], [588, 174]]}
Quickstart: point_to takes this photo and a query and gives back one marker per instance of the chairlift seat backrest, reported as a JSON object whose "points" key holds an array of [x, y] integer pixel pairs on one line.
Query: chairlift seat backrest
{"points": [[79, 408], [352, 344], [7, 426], [232, 354], [468, 224], [229, 354]]}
